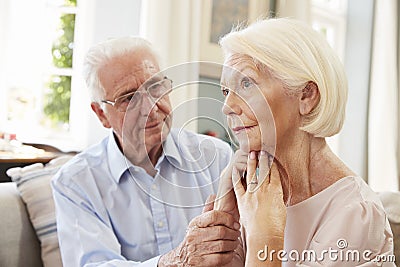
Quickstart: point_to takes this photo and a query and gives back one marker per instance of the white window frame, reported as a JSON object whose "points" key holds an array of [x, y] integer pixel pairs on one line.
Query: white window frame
{"points": [[332, 14]]}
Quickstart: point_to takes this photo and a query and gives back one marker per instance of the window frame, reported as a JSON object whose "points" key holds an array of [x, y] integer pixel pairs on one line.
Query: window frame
{"points": [[332, 14]]}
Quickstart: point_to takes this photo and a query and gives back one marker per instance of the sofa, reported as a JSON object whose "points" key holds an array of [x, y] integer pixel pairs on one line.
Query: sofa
{"points": [[18, 241], [28, 234]]}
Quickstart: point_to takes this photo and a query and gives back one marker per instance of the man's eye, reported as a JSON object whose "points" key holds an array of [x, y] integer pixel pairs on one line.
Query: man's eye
{"points": [[128, 98]]}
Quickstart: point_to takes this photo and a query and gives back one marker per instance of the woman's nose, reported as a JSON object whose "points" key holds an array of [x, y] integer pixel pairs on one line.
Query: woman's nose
{"points": [[231, 104]]}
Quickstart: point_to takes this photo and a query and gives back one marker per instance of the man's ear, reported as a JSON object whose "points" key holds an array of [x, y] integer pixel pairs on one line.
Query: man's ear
{"points": [[309, 98], [100, 114]]}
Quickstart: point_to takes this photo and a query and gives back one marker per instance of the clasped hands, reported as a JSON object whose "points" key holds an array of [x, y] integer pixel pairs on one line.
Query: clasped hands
{"points": [[257, 201], [215, 238], [211, 239]]}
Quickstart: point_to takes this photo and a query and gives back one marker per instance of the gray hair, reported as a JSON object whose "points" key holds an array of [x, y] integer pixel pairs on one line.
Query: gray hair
{"points": [[101, 53]]}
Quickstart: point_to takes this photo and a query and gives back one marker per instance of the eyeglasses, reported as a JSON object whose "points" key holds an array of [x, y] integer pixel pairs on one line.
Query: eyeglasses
{"points": [[155, 90]]}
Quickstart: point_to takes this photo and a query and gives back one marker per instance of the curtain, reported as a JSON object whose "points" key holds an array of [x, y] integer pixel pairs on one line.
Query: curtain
{"points": [[398, 95], [174, 28], [383, 115], [297, 9]]}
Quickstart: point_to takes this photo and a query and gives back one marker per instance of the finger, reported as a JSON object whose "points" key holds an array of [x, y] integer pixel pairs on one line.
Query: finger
{"points": [[240, 161], [251, 166], [227, 203], [251, 178], [241, 156], [241, 167], [209, 205], [237, 183], [214, 217], [211, 233], [263, 167], [225, 183], [225, 194], [218, 246], [216, 259], [275, 178]]}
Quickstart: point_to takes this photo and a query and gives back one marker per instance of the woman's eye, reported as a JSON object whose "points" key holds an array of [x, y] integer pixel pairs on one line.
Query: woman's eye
{"points": [[225, 91], [246, 83]]}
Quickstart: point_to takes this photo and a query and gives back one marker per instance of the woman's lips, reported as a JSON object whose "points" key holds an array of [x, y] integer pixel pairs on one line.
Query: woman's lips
{"points": [[239, 129]]}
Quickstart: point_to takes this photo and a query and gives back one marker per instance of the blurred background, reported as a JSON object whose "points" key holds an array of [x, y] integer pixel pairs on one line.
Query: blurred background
{"points": [[43, 98]]}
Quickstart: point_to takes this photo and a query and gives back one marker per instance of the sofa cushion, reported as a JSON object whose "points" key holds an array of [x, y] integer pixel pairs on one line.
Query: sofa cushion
{"points": [[391, 203], [19, 245], [33, 183]]}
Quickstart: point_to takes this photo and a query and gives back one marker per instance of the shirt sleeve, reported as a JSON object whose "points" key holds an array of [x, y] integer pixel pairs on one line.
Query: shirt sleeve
{"points": [[357, 235], [85, 238]]}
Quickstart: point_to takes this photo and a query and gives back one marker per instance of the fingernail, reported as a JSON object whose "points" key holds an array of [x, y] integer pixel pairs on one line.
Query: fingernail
{"points": [[252, 155], [262, 152], [236, 225]]}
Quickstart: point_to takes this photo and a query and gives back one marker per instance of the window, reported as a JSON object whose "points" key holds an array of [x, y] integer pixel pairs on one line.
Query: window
{"points": [[330, 18], [37, 69], [58, 88]]}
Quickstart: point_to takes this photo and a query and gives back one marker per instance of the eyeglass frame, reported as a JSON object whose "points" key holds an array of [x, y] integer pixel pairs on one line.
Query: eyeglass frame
{"points": [[113, 103]]}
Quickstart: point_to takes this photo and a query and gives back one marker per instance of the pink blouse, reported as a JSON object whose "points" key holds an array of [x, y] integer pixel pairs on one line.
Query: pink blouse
{"points": [[343, 225]]}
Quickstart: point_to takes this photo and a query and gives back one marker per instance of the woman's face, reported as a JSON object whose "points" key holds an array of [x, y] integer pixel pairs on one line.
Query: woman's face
{"points": [[260, 111]]}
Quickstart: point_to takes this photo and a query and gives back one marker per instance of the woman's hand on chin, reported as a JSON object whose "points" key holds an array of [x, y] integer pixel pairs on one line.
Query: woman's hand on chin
{"points": [[261, 207]]}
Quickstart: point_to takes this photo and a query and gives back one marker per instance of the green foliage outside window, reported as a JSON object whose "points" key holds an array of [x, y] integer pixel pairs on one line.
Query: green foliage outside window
{"points": [[62, 49], [58, 99], [58, 95], [69, 2]]}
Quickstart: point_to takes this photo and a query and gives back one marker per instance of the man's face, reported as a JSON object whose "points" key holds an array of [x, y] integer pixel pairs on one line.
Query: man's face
{"points": [[148, 121]]}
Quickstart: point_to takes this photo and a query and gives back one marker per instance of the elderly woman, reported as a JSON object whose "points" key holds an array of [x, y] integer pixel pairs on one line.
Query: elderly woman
{"points": [[299, 204]]}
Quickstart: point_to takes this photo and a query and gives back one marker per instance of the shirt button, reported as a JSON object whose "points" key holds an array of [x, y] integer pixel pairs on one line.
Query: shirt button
{"points": [[154, 187], [160, 224]]}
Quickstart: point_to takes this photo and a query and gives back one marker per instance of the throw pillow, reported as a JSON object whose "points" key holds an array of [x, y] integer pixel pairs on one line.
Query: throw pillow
{"points": [[33, 183]]}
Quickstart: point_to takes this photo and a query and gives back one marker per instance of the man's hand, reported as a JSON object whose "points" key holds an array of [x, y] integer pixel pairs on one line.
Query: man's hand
{"points": [[210, 240]]}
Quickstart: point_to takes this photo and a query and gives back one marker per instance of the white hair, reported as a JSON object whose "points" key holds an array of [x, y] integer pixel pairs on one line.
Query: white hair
{"points": [[101, 53], [296, 54]]}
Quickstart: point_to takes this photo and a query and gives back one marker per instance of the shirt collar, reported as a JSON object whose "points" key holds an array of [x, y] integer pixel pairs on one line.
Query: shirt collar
{"points": [[171, 150], [118, 163]]}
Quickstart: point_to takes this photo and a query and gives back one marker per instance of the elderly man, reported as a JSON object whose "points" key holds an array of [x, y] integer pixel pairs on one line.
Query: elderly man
{"points": [[136, 198]]}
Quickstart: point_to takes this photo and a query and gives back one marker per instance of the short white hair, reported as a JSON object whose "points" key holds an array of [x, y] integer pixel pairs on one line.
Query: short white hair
{"points": [[296, 54], [101, 53]]}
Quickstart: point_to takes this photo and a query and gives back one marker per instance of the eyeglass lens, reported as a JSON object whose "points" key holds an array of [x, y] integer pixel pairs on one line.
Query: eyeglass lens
{"points": [[155, 91]]}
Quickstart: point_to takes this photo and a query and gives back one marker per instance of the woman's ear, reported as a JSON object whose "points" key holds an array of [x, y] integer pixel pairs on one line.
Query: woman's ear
{"points": [[100, 114], [309, 98]]}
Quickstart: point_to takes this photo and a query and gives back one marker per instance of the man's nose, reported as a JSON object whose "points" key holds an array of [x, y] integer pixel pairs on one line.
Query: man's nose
{"points": [[147, 105]]}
